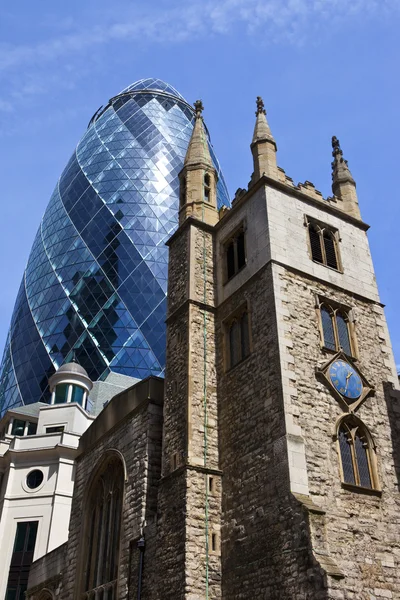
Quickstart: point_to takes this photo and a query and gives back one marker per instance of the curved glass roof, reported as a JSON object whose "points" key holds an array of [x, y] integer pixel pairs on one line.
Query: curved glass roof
{"points": [[154, 85]]}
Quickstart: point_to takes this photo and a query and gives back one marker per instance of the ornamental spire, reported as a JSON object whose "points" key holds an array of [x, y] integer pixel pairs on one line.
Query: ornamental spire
{"points": [[198, 151], [198, 178], [343, 184], [263, 145]]}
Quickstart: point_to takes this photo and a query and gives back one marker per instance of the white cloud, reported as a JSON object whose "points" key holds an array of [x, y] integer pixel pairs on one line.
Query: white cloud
{"points": [[190, 19]]}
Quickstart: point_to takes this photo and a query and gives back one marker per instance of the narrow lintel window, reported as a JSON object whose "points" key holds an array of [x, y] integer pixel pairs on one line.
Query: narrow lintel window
{"points": [[337, 330], [235, 253], [182, 192], [55, 429], [323, 244], [357, 454], [238, 337], [207, 187]]}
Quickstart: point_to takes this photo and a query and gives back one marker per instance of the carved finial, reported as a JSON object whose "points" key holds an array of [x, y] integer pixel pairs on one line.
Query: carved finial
{"points": [[198, 107], [74, 359], [339, 164], [336, 146], [260, 106], [343, 184]]}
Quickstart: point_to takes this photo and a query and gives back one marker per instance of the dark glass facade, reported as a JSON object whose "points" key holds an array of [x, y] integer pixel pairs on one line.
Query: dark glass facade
{"points": [[96, 280]]}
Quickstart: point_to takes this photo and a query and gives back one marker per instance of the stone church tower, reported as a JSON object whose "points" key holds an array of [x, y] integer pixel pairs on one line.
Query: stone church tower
{"points": [[267, 465], [279, 471]]}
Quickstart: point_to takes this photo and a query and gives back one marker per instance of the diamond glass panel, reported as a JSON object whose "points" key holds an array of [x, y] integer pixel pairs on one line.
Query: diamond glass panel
{"points": [[96, 280]]}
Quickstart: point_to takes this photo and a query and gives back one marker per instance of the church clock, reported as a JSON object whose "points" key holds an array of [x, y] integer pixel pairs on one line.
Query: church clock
{"points": [[346, 382]]}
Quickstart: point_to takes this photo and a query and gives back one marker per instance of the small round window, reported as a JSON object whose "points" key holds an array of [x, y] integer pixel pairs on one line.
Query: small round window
{"points": [[34, 479]]}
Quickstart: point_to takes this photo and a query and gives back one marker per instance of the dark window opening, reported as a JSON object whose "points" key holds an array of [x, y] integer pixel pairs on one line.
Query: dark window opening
{"points": [[34, 479], [182, 194], [323, 245], [18, 427], [330, 250], [230, 260], [21, 560], [55, 429], [315, 242], [235, 252], [239, 339], [206, 188], [32, 428]]}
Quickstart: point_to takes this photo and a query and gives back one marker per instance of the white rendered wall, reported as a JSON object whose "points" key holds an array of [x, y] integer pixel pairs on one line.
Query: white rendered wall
{"points": [[72, 416], [50, 503]]}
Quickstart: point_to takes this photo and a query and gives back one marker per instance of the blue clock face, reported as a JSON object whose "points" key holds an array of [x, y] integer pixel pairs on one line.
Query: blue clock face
{"points": [[345, 379]]}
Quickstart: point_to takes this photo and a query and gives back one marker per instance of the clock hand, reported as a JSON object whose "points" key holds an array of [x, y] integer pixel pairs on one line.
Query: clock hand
{"points": [[347, 380]]}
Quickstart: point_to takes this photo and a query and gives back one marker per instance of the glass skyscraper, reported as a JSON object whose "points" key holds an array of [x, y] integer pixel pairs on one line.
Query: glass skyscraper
{"points": [[96, 280]]}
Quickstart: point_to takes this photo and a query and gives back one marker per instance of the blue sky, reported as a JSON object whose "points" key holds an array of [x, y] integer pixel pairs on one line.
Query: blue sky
{"points": [[323, 67]]}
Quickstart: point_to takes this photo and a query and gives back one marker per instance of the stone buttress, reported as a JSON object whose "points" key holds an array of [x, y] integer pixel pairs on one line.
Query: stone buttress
{"points": [[189, 502]]}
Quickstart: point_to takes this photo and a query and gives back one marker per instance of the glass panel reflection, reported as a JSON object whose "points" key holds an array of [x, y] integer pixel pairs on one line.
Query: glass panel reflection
{"points": [[96, 278]]}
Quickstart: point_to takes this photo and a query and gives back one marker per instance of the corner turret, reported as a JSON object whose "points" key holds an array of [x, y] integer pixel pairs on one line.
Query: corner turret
{"points": [[343, 184], [198, 178], [70, 383], [263, 146]]}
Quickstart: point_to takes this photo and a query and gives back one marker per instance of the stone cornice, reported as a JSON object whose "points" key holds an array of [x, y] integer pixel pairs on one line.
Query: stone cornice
{"points": [[292, 191], [187, 223]]}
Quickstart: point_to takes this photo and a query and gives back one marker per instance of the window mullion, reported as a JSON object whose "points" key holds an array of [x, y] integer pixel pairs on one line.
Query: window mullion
{"points": [[354, 459], [322, 244], [335, 329]]}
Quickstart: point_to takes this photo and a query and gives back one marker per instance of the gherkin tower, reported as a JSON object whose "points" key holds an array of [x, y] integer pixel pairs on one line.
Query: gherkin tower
{"points": [[96, 280]]}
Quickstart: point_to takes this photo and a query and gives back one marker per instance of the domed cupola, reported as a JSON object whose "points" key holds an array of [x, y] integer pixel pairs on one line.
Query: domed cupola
{"points": [[70, 383]]}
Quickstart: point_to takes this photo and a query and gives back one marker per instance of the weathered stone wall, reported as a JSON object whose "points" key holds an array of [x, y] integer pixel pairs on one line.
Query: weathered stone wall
{"points": [[361, 530], [137, 437], [189, 511], [265, 530], [47, 572]]}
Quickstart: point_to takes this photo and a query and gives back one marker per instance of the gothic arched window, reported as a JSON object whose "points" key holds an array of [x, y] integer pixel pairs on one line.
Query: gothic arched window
{"points": [[238, 337], [235, 253], [323, 245], [357, 454], [103, 523], [336, 329]]}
